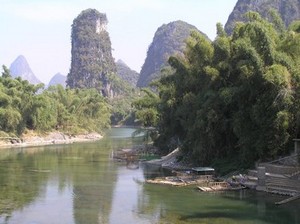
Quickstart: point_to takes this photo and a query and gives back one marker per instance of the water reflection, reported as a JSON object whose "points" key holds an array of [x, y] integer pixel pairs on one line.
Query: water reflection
{"points": [[20, 181], [80, 183], [60, 184], [93, 186], [187, 205]]}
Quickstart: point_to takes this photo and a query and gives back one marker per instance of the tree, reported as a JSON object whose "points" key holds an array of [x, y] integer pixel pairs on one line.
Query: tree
{"points": [[6, 72], [22, 108], [235, 97], [146, 111]]}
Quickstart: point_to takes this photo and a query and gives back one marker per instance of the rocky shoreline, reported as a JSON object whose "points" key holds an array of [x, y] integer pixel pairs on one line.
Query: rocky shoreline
{"points": [[34, 139]]}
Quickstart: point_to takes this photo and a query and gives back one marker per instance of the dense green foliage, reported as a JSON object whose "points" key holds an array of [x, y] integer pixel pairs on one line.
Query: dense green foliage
{"points": [[288, 10], [92, 64], [124, 86], [146, 111], [236, 97], [168, 40], [120, 104], [127, 74], [67, 110]]}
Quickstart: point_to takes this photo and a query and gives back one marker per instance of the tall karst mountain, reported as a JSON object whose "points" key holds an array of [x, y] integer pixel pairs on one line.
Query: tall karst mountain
{"points": [[289, 10], [168, 40], [92, 64], [21, 68], [126, 73]]}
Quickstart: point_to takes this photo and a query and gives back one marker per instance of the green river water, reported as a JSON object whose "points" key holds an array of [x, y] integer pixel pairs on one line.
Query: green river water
{"points": [[80, 183]]}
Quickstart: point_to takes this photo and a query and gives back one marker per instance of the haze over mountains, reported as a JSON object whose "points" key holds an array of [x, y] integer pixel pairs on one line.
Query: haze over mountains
{"points": [[58, 78], [169, 39], [21, 68]]}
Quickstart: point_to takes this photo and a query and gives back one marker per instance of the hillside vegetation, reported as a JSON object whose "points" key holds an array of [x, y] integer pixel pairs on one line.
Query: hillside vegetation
{"points": [[289, 11], [127, 74], [92, 64], [167, 41], [68, 110], [235, 99]]}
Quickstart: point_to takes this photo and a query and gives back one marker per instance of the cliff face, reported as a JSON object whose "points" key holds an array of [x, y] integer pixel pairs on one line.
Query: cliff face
{"points": [[289, 10], [168, 40], [92, 63], [126, 73], [21, 68]]}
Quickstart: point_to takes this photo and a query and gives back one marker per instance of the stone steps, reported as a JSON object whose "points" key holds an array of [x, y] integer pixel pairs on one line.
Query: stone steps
{"points": [[295, 174], [295, 197], [281, 191], [283, 183]]}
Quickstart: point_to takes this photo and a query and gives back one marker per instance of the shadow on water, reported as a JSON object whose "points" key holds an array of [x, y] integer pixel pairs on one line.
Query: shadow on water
{"points": [[254, 207], [187, 205], [263, 206], [61, 183], [80, 184], [217, 215]]}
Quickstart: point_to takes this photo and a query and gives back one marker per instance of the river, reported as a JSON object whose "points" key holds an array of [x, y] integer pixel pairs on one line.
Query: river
{"points": [[80, 183]]}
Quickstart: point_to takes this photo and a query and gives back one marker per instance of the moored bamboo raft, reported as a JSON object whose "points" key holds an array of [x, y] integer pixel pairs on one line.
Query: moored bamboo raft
{"points": [[219, 186], [295, 197], [165, 181], [184, 180]]}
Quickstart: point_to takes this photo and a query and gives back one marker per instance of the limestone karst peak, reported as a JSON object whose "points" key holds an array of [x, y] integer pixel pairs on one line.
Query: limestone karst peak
{"points": [[20, 68]]}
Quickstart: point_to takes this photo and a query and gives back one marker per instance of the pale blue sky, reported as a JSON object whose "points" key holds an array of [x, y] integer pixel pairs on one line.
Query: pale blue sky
{"points": [[41, 29]]}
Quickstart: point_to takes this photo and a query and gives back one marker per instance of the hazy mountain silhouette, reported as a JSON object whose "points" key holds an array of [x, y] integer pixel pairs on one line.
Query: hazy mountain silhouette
{"points": [[21, 68]]}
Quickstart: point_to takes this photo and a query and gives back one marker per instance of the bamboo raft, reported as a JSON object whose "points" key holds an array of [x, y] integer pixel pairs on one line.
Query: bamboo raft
{"points": [[219, 186], [181, 180], [167, 181], [288, 200]]}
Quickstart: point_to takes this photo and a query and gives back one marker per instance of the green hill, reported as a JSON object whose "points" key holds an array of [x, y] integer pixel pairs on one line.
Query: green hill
{"points": [[168, 40]]}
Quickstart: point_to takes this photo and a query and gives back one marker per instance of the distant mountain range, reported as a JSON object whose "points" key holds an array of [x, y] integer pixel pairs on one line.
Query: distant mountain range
{"points": [[21, 68], [169, 39]]}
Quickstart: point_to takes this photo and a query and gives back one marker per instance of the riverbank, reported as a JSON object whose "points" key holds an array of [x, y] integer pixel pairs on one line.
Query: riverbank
{"points": [[281, 178], [186, 175], [35, 139], [171, 162]]}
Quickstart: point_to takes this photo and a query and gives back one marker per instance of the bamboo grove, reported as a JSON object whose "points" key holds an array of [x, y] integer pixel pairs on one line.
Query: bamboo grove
{"points": [[24, 106], [235, 98]]}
